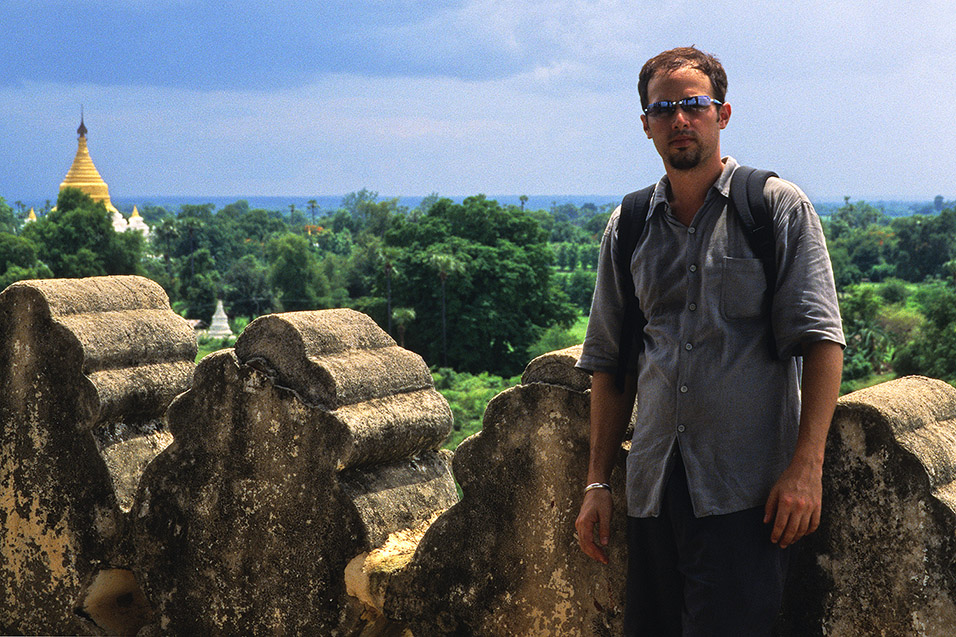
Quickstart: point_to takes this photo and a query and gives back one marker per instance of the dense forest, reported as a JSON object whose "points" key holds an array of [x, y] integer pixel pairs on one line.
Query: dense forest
{"points": [[475, 287]]}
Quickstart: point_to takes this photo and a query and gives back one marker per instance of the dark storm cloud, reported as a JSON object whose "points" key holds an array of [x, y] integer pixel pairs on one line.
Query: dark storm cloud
{"points": [[246, 45]]}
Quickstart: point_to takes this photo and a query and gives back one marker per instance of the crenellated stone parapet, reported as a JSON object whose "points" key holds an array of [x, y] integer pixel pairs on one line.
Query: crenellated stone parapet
{"points": [[295, 454], [882, 561], [504, 561], [87, 369], [295, 485]]}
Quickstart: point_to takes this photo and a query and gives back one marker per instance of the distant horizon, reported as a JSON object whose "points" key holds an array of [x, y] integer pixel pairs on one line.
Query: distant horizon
{"points": [[333, 202]]}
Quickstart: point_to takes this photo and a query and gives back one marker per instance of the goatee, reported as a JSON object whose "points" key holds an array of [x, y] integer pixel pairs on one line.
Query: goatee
{"points": [[687, 159]]}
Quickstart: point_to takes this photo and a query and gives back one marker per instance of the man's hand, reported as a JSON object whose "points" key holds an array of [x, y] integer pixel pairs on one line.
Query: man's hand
{"points": [[796, 499], [595, 511], [610, 413], [795, 502]]}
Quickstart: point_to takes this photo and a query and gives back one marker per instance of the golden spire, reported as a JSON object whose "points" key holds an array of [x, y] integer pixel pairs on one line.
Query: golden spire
{"points": [[83, 174], [33, 215], [135, 213]]}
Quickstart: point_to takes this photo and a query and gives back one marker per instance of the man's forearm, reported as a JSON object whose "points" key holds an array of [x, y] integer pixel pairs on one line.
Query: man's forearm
{"points": [[795, 502], [822, 370], [610, 415]]}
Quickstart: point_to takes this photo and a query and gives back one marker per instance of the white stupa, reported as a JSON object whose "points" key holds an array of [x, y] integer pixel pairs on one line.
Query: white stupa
{"points": [[119, 222], [219, 328], [137, 223]]}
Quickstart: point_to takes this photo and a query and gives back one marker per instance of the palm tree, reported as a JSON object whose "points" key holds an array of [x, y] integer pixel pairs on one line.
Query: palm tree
{"points": [[402, 317], [445, 264], [388, 256], [165, 233], [313, 204], [524, 200]]}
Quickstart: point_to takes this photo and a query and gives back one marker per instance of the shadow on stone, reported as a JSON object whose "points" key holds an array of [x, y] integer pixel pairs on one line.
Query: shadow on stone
{"points": [[882, 560], [87, 369], [306, 446], [504, 560]]}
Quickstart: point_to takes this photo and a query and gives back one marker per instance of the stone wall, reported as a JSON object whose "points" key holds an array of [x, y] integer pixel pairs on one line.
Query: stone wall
{"points": [[87, 369], [295, 485], [504, 560], [295, 454], [882, 561]]}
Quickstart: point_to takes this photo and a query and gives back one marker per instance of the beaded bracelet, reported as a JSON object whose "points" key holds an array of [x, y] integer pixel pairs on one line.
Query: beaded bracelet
{"points": [[597, 485]]}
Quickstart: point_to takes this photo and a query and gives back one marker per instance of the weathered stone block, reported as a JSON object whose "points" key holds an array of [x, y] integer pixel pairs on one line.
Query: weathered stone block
{"points": [[882, 561], [558, 368], [504, 561], [87, 369], [301, 449]]}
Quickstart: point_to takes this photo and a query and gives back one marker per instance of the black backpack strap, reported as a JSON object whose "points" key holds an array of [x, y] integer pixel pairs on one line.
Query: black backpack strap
{"points": [[746, 194], [630, 226]]}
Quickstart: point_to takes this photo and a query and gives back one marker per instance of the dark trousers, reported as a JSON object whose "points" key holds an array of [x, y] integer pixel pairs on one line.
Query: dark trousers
{"points": [[711, 576]]}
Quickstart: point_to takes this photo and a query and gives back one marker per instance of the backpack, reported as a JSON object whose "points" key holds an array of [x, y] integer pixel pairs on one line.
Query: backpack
{"points": [[746, 198]]}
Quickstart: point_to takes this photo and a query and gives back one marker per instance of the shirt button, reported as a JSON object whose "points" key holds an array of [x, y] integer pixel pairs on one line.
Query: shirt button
{"points": [[688, 347], [680, 428], [693, 267], [692, 230], [683, 389], [692, 307]]}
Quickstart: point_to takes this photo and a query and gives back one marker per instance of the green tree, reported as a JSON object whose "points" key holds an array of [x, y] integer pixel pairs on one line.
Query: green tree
{"points": [[579, 286], [868, 347], [589, 255], [388, 257], [18, 261], [357, 204], [246, 288], [500, 302], [595, 225], [924, 244], [295, 274], [153, 215], [77, 239], [163, 238], [854, 216], [312, 204], [932, 351], [445, 265], [468, 395], [199, 285], [426, 203], [403, 317], [8, 220]]}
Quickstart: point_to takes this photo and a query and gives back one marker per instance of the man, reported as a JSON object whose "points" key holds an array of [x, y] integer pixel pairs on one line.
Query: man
{"points": [[725, 466]]}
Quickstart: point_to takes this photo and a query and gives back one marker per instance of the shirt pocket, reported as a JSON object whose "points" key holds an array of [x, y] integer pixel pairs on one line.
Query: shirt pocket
{"points": [[742, 287]]}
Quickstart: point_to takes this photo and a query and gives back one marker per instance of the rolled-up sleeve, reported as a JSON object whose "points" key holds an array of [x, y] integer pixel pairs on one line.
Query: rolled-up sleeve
{"points": [[805, 305]]}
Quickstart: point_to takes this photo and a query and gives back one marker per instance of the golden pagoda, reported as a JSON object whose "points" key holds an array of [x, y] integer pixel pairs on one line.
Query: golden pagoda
{"points": [[84, 176]]}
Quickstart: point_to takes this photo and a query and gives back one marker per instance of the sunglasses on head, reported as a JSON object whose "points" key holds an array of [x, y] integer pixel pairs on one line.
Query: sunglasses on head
{"points": [[690, 105]]}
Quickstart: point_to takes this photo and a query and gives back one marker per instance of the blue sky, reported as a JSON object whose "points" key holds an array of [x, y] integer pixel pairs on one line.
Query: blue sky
{"points": [[190, 97]]}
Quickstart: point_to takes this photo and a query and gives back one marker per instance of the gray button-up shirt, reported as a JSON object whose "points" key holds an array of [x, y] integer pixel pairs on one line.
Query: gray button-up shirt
{"points": [[707, 385]]}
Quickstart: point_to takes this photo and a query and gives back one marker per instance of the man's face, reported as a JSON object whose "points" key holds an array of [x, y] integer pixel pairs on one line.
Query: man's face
{"points": [[685, 140]]}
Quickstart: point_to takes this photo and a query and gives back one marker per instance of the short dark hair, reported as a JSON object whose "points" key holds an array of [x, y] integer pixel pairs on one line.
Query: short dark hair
{"points": [[679, 58]]}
